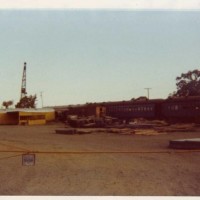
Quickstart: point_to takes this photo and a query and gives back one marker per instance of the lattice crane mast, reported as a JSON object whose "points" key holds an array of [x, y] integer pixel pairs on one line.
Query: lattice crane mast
{"points": [[23, 88]]}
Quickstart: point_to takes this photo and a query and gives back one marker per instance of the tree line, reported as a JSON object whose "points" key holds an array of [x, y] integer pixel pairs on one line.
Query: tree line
{"points": [[187, 84], [25, 102]]}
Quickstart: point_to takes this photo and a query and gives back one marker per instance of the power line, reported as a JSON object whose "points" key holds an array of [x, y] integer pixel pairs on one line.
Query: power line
{"points": [[41, 95]]}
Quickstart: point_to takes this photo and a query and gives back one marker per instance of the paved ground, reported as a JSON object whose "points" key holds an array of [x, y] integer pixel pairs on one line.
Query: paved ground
{"points": [[132, 174]]}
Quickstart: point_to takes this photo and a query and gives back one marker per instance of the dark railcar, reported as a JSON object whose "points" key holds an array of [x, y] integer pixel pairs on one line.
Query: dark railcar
{"points": [[82, 110], [183, 109], [127, 110], [62, 112]]}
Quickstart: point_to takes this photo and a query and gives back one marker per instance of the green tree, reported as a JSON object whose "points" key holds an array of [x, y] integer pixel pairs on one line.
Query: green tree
{"points": [[6, 104], [27, 102], [188, 84]]}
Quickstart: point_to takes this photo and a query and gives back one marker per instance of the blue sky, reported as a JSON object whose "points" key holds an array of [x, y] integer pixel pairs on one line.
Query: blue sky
{"points": [[79, 56]]}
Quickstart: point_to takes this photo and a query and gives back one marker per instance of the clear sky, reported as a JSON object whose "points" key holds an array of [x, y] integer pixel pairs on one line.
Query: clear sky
{"points": [[79, 56]]}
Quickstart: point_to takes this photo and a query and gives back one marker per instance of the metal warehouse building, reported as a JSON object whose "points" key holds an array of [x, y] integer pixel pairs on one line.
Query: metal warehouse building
{"points": [[26, 116]]}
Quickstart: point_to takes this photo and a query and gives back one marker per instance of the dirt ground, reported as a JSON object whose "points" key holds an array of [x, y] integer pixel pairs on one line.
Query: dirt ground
{"points": [[151, 169]]}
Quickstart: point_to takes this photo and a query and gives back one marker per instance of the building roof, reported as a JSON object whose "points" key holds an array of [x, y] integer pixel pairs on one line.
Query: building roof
{"points": [[27, 110]]}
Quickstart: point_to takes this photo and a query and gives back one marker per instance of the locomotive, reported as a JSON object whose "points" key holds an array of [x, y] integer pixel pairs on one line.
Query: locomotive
{"points": [[176, 109]]}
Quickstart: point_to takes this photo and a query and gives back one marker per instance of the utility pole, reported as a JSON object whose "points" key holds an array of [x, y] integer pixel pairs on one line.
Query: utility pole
{"points": [[41, 95], [147, 91]]}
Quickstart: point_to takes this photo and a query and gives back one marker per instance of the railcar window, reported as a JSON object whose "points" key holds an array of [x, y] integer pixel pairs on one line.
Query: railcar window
{"points": [[176, 107], [170, 107]]}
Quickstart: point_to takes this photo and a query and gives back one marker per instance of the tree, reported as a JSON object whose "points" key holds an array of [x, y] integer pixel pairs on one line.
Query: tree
{"points": [[6, 104], [188, 84], [27, 102]]}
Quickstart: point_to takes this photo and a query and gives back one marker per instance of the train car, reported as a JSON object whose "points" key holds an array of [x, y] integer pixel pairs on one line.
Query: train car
{"points": [[87, 109], [127, 110], [181, 109]]}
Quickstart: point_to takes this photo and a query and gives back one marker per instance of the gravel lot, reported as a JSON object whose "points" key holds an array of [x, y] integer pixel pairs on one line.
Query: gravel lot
{"points": [[135, 174]]}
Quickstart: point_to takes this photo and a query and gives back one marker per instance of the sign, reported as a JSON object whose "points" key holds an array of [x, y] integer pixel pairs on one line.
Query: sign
{"points": [[28, 159]]}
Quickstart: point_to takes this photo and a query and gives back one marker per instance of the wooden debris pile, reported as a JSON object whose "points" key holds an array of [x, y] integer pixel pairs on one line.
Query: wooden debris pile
{"points": [[87, 125]]}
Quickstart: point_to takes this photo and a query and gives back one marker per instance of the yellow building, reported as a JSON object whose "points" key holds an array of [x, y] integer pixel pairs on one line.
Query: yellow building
{"points": [[26, 116]]}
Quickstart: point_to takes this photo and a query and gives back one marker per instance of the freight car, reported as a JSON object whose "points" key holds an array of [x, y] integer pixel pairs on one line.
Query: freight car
{"points": [[180, 109]]}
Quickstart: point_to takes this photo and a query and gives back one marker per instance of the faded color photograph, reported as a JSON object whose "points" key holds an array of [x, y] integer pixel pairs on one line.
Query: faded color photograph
{"points": [[100, 99]]}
